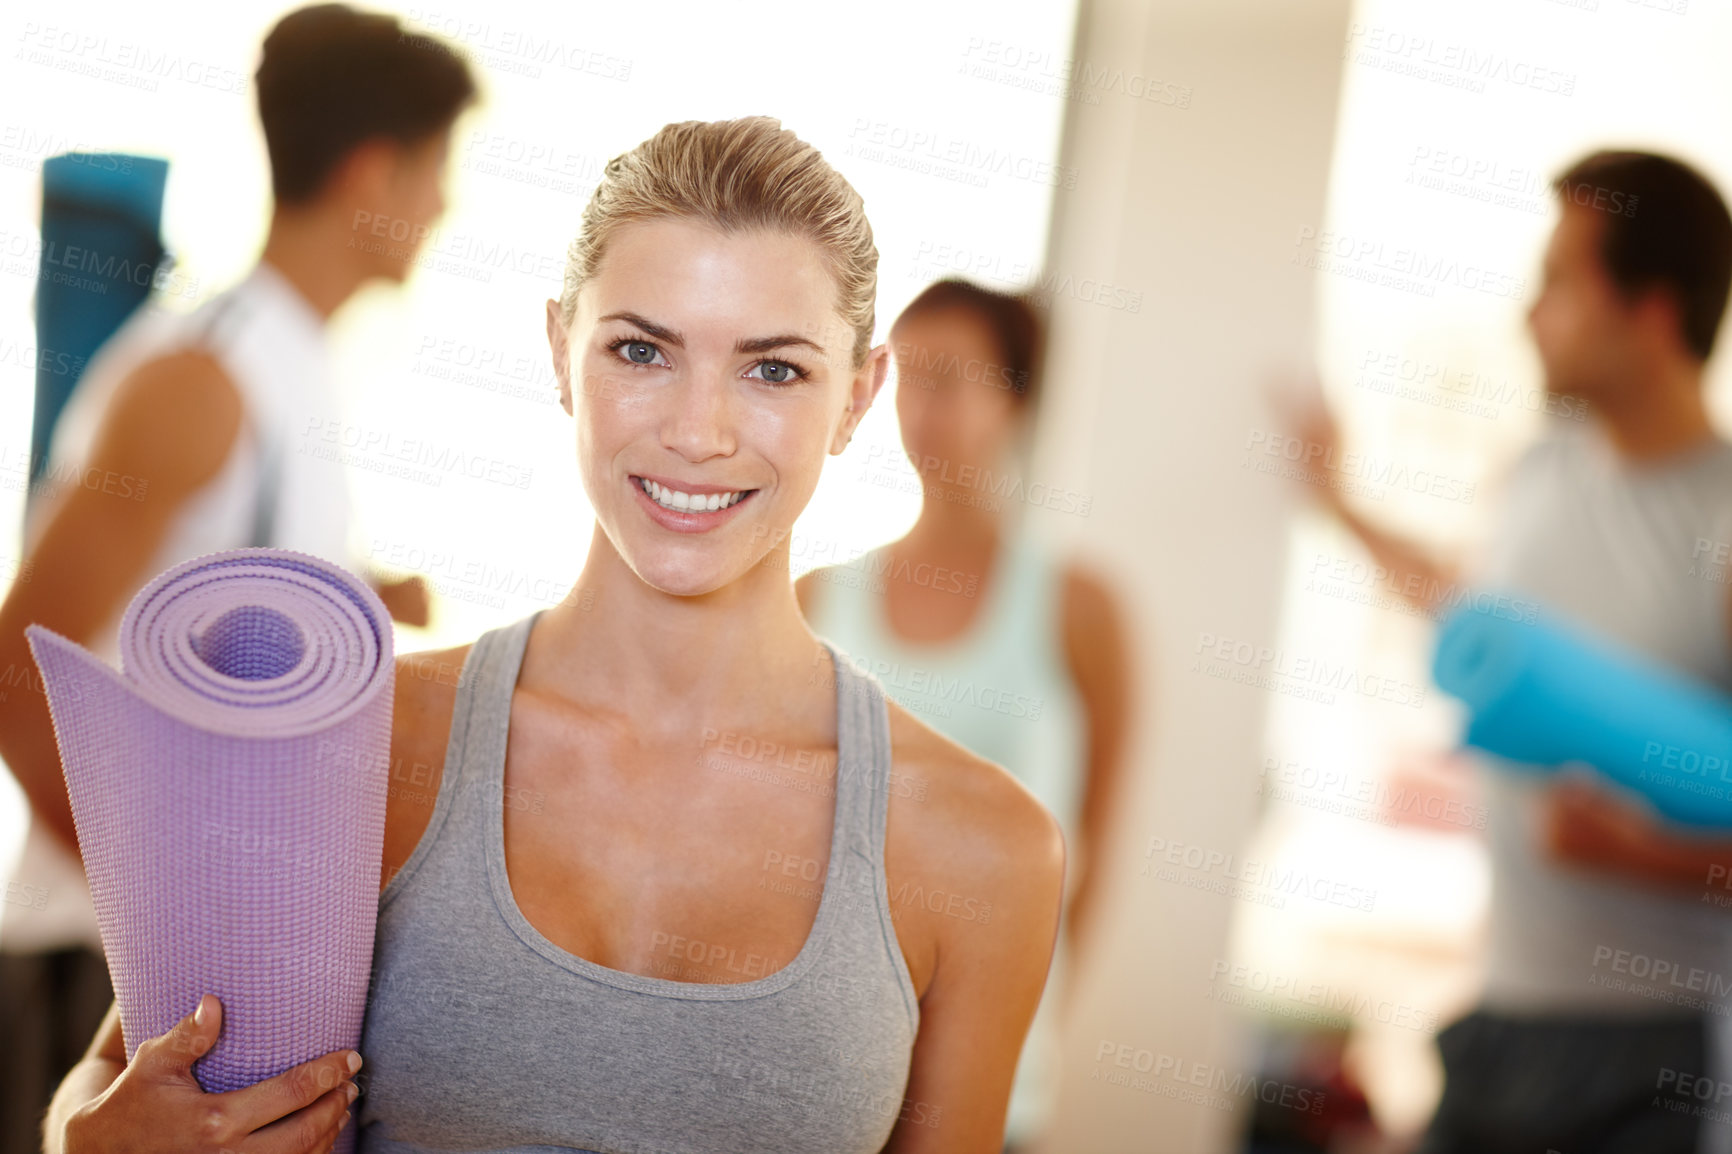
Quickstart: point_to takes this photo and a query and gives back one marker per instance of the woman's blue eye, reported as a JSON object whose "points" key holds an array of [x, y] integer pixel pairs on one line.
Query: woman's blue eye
{"points": [[640, 352], [779, 372]]}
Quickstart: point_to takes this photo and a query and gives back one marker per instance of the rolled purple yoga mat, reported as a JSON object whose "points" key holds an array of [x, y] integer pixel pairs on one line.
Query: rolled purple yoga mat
{"points": [[229, 791]]}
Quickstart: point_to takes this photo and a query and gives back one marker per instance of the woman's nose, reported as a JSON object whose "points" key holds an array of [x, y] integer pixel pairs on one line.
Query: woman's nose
{"points": [[701, 418]]}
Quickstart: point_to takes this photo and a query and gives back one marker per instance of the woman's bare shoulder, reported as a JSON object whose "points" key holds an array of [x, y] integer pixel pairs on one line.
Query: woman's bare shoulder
{"points": [[956, 785], [966, 826], [426, 691]]}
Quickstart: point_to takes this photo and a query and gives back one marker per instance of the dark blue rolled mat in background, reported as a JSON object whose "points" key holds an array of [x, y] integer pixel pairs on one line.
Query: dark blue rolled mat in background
{"points": [[1551, 691]]}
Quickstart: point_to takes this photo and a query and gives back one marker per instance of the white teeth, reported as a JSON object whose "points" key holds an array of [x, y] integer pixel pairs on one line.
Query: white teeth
{"points": [[689, 502]]}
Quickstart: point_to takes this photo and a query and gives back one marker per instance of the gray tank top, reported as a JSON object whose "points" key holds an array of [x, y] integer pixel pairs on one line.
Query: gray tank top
{"points": [[482, 1035]]}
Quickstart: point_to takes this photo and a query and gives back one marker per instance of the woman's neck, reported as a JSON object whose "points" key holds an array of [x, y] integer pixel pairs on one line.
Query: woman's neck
{"points": [[673, 662], [952, 530]]}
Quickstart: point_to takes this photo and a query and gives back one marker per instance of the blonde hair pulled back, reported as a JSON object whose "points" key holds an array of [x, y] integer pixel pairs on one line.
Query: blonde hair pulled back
{"points": [[735, 175]]}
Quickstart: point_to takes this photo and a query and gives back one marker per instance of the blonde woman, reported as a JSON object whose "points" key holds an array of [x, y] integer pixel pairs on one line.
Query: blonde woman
{"points": [[682, 879]]}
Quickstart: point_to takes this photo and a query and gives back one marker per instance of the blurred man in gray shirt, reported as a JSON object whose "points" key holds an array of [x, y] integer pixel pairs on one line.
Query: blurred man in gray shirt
{"points": [[1603, 522]]}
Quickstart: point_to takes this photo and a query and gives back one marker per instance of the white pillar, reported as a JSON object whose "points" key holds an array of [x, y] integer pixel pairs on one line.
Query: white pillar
{"points": [[1191, 195]]}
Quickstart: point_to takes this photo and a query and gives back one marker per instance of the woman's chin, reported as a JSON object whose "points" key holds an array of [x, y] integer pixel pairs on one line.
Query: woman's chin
{"points": [[680, 577]]}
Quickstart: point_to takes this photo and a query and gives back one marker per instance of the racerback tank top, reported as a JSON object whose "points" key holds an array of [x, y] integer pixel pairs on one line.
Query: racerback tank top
{"points": [[482, 1034]]}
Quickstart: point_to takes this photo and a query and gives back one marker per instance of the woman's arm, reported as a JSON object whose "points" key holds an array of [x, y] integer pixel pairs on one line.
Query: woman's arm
{"points": [[988, 843], [1094, 629], [86, 1081], [426, 693]]}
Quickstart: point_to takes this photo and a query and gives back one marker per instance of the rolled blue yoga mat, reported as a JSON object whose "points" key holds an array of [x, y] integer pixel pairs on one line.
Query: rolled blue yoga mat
{"points": [[1549, 692]]}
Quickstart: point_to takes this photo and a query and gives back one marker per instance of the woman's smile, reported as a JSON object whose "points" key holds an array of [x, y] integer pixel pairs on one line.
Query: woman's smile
{"points": [[686, 507]]}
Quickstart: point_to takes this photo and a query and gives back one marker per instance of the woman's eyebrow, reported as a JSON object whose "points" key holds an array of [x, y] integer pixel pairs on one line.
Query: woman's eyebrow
{"points": [[743, 345], [660, 332], [766, 344]]}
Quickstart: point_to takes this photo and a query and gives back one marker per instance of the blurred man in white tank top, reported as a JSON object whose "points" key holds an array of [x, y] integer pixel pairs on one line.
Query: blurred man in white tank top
{"points": [[1604, 521], [177, 442]]}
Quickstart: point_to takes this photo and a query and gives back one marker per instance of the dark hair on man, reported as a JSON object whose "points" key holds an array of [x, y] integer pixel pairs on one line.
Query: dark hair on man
{"points": [[332, 77], [1014, 319], [1665, 227]]}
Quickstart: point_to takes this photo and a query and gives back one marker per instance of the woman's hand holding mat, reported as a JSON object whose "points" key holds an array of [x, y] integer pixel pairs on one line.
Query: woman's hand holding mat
{"points": [[156, 1106], [229, 790], [1546, 692]]}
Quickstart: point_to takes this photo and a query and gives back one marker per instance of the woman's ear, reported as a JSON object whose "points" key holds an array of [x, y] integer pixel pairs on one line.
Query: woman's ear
{"points": [[559, 342], [863, 389]]}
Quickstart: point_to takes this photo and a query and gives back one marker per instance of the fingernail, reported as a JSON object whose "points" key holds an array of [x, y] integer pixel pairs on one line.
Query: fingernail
{"points": [[345, 1120], [352, 1091], [354, 1061], [198, 1015]]}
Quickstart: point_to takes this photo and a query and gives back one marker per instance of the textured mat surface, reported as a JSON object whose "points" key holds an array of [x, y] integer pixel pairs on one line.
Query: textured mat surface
{"points": [[1551, 692], [229, 790]]}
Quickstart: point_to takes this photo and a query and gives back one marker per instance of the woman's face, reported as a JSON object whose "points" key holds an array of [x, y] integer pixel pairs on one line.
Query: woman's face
{"points": [[954, 396], [709, 374]]}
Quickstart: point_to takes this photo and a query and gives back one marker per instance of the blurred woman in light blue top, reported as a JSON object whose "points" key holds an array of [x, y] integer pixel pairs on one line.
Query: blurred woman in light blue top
{"points": [[978, 626]]}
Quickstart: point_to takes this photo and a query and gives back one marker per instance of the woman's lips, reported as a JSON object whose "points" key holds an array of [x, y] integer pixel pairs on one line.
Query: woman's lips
{"points": [[687, 520]]}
